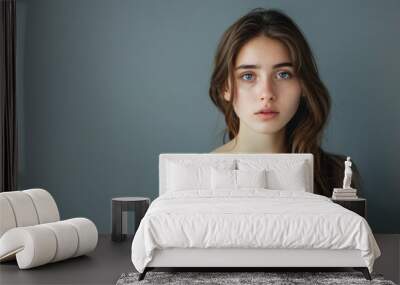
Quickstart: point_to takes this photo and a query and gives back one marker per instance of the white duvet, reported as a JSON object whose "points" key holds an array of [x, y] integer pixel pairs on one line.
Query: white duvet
{"points": [[250, 218]]}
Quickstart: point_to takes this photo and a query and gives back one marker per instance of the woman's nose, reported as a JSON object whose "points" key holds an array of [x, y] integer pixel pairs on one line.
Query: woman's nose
{"points": [[267, 91]]}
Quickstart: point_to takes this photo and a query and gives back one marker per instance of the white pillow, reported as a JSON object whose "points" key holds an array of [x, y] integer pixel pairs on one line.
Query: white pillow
{"points": [[188, 176], [236, 179], [295, 178], [223, 179], [281, 175], [251, 178]]}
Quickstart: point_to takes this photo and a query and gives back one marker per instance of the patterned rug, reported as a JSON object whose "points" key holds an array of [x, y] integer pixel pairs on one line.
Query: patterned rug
{"points": [[229, 278]]}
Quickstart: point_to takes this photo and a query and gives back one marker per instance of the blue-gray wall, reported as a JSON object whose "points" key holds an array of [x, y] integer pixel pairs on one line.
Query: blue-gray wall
{"points": [[103, 87]]}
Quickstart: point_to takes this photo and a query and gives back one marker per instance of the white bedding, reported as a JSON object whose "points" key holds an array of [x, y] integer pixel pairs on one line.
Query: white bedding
{"points": [[250, 218]]}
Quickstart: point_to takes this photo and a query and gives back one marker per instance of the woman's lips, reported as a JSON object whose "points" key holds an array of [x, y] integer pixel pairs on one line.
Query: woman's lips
{"points": [[267, 115]]}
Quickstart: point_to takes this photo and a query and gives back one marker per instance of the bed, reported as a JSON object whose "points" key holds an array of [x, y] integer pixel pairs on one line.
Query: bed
{"points": [[245, 211]]}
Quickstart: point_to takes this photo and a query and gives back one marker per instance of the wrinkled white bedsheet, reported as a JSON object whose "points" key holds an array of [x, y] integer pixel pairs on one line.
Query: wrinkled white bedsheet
{"points": [[250, 218]]}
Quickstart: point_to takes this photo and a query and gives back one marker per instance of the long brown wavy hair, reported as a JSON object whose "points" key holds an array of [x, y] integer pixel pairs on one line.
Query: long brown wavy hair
{"points": [[303, 133]]}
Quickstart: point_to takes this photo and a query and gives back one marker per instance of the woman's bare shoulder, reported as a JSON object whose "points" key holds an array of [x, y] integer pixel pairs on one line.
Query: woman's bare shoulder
{"points": [[221, 149], [225, 148]]}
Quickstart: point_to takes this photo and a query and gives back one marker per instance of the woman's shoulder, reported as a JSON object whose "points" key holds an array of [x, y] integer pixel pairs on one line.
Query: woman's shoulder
{"points": [[225, 148]]}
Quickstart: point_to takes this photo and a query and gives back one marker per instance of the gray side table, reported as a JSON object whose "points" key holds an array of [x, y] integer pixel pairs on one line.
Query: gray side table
{"points": [[358, 205], [119, 207]]}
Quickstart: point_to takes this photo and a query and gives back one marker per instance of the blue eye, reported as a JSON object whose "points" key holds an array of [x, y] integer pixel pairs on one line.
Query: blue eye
{"points": [[286, 76], [243, 76]]}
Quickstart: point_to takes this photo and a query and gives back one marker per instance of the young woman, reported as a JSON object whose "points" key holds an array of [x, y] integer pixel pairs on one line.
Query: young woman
{"points": [[266, 83]]}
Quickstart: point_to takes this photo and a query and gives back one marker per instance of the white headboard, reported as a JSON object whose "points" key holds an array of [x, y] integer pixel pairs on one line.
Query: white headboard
{"points": [[165, 157]]}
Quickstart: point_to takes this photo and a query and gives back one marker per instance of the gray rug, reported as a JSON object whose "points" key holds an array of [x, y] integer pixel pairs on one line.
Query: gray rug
{"points": [[225, 278]]}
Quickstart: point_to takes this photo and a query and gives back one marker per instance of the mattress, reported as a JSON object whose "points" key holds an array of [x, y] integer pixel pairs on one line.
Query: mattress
{"points": [[250, 219]]}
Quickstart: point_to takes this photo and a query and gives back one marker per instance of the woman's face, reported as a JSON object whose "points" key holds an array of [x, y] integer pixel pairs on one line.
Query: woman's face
{"points": [[265, 79]]}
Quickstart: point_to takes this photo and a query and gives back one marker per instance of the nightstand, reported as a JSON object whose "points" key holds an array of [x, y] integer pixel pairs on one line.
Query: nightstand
{"points": [[120, 206], [358, 205]]}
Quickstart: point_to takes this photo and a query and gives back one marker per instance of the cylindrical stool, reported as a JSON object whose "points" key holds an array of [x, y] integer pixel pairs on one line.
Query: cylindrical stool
{"points": [[123, 204]]}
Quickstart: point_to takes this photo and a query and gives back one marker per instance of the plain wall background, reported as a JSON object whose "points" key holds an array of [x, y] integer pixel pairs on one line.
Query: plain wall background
{"points": [[104, 87]]}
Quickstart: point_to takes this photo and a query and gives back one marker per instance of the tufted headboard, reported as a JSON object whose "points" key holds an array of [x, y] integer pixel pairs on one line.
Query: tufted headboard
{"points": [[244, 158]]}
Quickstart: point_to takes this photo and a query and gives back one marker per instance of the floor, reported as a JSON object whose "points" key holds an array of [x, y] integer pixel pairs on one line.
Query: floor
{"points": [[389, 262], [111, 259]]}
